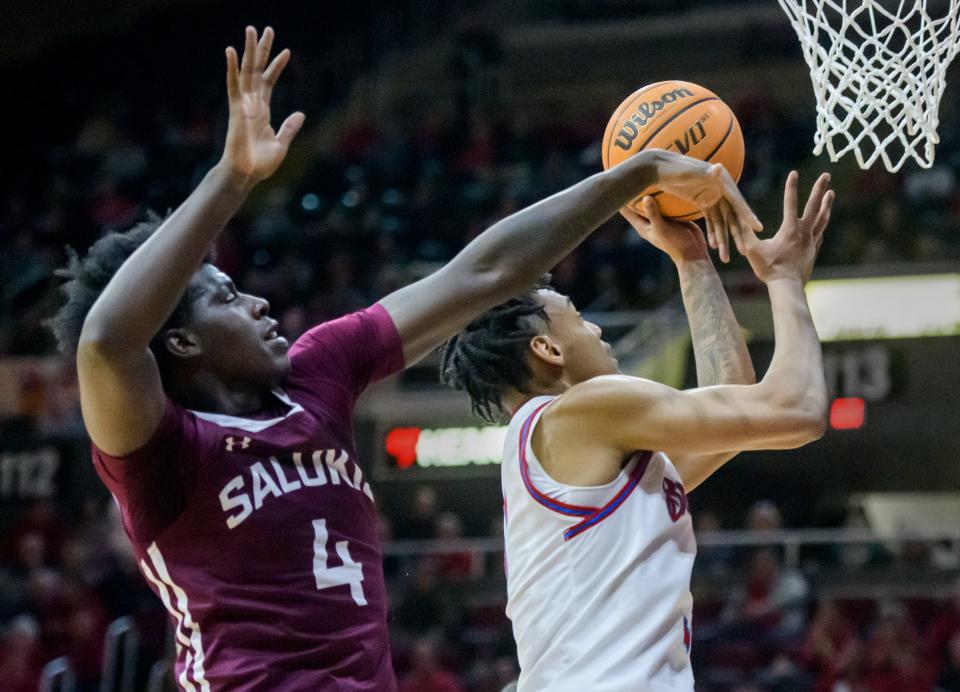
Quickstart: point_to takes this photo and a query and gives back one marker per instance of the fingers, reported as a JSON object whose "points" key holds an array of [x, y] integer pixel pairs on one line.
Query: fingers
{"points": [[233, 77], [639, 223], [738, 205], [729, 222], [823, 215], [816, 196], [716, 221], [711, 234], [291, 126], [652, 210], [790, 196], [249, 57], [745, 239], [257, 72], [275, 69], [263, 50]]}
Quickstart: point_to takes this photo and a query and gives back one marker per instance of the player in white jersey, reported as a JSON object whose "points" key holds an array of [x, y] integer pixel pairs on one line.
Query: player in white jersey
{"points": [[599, 540]]}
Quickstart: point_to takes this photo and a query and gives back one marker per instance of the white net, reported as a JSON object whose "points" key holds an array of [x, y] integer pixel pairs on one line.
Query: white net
{"points": [[878, 69]]}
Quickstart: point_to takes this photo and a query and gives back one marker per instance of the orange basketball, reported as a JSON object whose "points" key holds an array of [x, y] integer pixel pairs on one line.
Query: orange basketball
{"points": [[679, 116]]}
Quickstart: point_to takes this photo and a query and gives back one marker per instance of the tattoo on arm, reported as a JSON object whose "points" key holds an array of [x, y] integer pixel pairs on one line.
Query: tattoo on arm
{"points": [[718, 344]]}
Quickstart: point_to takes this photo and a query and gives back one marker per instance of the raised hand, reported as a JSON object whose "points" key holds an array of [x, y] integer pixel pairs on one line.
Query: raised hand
{"points": [[253, 150], [682, 241], [792, 252], [712, 190]]}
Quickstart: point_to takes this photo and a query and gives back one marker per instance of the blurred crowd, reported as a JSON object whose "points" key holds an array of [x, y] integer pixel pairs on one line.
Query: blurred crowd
{"points": [[760, 622], [383, 202]]}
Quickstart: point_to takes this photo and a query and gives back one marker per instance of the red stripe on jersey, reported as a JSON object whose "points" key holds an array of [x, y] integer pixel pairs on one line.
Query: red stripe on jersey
{"points": [[599, 515], [542, 498]]}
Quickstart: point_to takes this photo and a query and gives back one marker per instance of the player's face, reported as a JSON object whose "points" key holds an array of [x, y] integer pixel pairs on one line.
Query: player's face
{"points": [[585, 353], [234, 337]]}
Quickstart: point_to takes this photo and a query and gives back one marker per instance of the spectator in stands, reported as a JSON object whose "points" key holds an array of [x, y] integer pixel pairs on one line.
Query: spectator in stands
{"points": [[391, 563], [420, 521], [950, 672], [715, 560], [832, 649], [421, 609], [43, 525], [492, 674], [892, 661], [859, 555], [427, 674], [84, 624], [454, 567], [764, 516], [944, 630], [771, 605], [20, 655]]}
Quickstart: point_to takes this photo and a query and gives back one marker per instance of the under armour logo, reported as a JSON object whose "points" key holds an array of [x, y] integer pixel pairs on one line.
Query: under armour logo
{"points": [[244, 442]]}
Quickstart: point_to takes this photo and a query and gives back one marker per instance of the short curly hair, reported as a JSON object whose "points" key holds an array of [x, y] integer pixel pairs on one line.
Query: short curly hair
{"points": [[87, 276], [489, 357]]}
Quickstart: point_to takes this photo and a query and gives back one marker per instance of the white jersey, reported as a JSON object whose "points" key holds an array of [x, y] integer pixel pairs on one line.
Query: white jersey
{"points": [[598, 578]]}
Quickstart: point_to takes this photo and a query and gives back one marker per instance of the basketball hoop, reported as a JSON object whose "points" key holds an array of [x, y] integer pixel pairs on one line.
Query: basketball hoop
{"points": [[878, 69]]}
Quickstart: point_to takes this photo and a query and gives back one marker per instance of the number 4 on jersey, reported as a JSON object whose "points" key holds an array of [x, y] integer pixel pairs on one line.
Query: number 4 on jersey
{"points": [[349, 572]]}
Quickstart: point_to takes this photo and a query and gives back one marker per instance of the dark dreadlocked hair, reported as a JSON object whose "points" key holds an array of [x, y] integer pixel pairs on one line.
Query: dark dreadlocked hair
{"points": [[87, 276], [490, 355]]}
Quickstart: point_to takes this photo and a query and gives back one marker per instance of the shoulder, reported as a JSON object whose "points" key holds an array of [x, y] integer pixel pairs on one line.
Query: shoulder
{"points": [[370, 323], [152, 485], [177, 426], [603, 395], [362, 340], [608, 412]]}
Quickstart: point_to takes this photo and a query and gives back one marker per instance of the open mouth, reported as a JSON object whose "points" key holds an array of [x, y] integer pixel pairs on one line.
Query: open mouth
{"points": [[272, 335]]}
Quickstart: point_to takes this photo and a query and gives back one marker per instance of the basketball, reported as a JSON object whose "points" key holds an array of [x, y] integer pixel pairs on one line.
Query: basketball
{"points": [[681, 117]]}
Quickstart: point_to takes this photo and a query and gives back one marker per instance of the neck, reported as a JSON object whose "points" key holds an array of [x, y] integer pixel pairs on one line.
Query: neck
{"points": [[514, 399], [205, 392]]}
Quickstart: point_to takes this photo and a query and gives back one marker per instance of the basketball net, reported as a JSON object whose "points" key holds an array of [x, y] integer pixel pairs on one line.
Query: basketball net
{"points": [[878, 70]]}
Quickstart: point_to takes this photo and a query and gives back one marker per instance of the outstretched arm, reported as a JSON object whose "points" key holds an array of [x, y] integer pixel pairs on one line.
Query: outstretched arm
{"points": [[786, 409], [120, 390], [510, 256], [719, 348]]}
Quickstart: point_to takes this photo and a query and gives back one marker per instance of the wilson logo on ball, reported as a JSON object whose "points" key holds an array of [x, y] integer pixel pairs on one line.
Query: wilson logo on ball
{"points": [[645, 111]]}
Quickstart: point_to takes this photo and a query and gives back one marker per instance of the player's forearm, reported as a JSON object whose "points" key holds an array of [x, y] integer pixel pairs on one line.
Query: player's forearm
{"points": [[795, 377], [525, 245], [143, 293], [719, 348]]}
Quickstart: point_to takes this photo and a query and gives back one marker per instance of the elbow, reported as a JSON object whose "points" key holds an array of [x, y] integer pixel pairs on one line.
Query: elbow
{"points": [[803, 408], [92, 347], [809, 421], [814, 427], [97, 343], [499, 282], [93, 339]]}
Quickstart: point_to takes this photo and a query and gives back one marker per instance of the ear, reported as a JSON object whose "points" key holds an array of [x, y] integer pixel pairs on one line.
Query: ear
{"points": [[546, 349], [181, 343]]}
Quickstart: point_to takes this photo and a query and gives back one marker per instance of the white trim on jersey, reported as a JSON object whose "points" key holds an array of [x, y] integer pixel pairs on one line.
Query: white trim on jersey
{"points": [[188, 631], [251, 424]]}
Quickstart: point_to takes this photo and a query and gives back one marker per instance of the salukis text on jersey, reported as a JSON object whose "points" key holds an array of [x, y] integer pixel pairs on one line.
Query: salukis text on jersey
{"points": [[247, 491]]}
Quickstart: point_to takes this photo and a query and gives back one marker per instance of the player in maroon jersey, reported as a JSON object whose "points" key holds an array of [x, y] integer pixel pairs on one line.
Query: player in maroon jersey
{"points": [[231, 454]]}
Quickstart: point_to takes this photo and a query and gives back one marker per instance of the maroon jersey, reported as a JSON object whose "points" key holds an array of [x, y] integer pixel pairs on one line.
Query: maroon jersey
{"points": [[259, 534]]}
